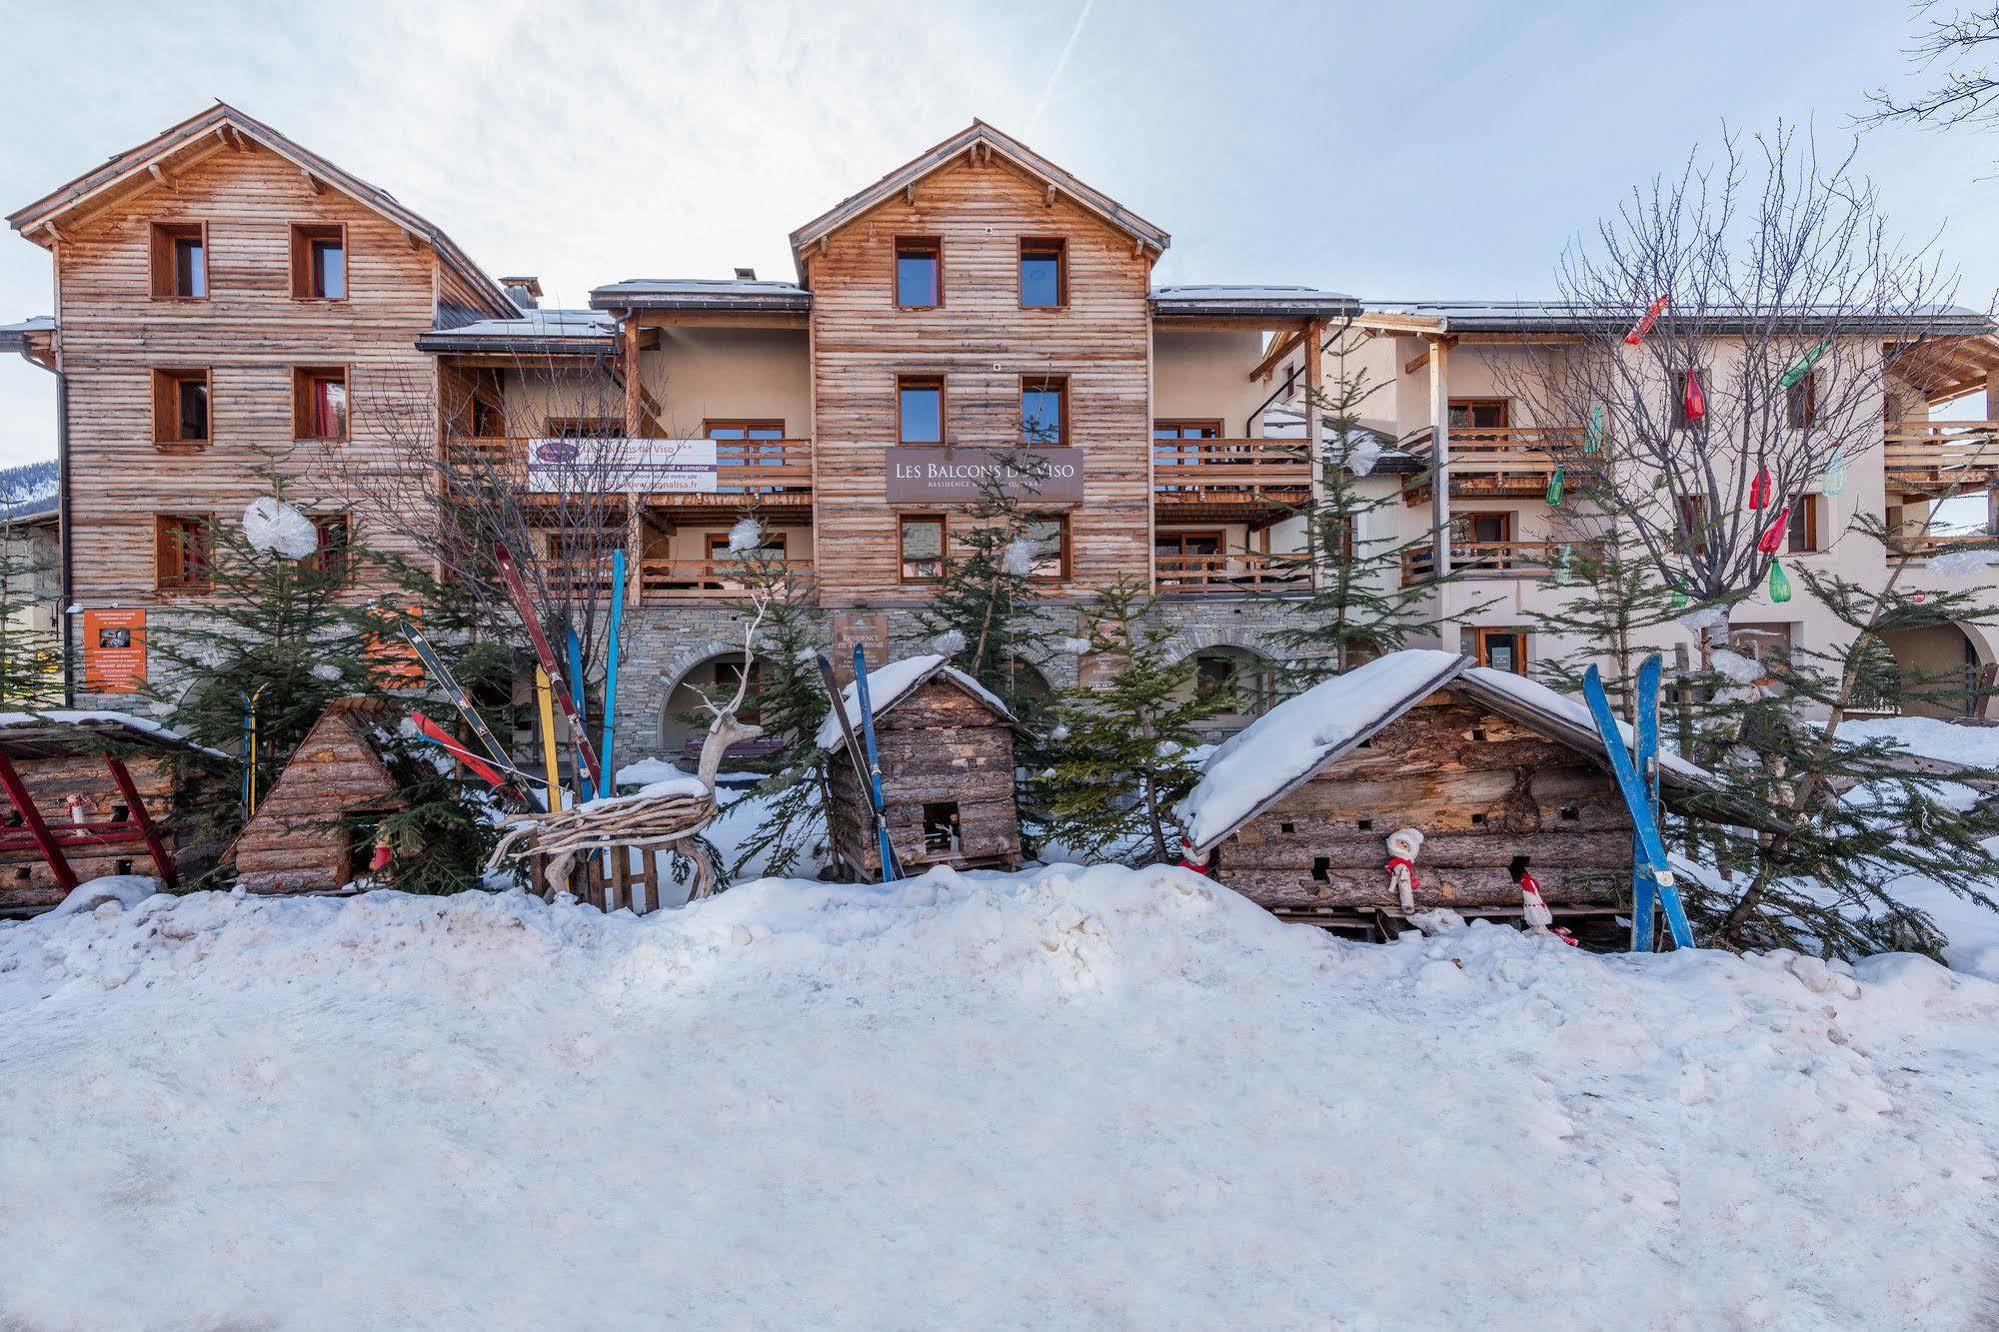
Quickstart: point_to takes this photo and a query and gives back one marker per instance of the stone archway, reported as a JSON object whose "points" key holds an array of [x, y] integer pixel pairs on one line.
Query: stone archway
{"points": [[1244, 671], [1942, 670], [705, 668]]}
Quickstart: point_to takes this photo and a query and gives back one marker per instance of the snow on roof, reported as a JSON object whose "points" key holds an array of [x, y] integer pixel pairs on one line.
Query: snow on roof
{"points": [[1544, 316], [890, 684], [30, 726], [1251, 299], [532, 330], [701, 294], [1283, 748]]}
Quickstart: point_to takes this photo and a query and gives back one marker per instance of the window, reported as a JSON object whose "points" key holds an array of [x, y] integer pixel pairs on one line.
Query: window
{"points": [[920, 409], [743, 429], [180, 261], [331, 557], [319, 403], [719, 552], [1049, 533], [919, 272], [319, 262], [180, 407], [1501, 649], [942, 833], [1186, 429], [1044, 274], [1188, 557], [585, 427], [922, 547], [1044, 410], [1478, 414], [1803, 537], [182, 552], [488, 420], [1482, 539], [1801, 401]]}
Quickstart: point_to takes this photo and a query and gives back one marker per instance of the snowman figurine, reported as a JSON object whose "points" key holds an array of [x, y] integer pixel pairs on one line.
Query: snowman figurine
{"points": [[1533, 907], [1403, 844]]}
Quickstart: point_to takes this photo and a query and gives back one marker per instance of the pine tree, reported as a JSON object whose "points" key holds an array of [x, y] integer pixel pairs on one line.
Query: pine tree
{"points": [[1610, 593], [1125, 747]]}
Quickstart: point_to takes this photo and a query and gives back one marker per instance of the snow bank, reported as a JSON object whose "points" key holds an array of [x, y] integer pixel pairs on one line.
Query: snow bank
{"points": [[1930, 737], [1072, 1098], [127, 890]]}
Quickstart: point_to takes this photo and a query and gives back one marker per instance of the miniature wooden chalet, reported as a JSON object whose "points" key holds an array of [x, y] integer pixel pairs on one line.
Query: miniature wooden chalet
{"points": [[946, 751], [88, 794], [1295, 811], [314, 831]]}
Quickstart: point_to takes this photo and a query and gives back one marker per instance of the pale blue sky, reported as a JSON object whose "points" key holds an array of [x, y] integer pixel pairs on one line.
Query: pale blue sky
{"points": [[1393, 151]]}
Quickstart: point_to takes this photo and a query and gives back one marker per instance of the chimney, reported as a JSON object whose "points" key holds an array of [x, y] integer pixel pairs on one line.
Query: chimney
{"points": [[746, 275], [524, 292]]}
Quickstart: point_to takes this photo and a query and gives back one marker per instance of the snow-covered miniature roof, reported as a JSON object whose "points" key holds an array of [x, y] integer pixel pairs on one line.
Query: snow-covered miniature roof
{"points": [[890, 684], [1288, 745], [589, 331], [701, 294], [1252, 299], [41, 734]]}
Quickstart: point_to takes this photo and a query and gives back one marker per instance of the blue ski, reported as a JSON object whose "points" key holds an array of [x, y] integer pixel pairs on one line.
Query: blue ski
{"points": [[611, 668], [576, 697], [1652, 859], [890, 869], [1644, 896]]}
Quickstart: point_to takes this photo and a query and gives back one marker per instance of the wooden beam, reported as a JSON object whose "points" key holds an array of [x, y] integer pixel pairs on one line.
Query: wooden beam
{"points": [[312, 182], [232, 139], [17, 792], [631, 337], [415, 242], [159, 176], [1279, 349], [149, 832], [1049, 201], [1416, 362], [909, 194]]}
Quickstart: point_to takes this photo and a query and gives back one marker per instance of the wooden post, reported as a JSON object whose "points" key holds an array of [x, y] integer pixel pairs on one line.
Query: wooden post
{"points": [[631, 330], [149, 831], [32, 817], [1313, 374], [1440, 460]]}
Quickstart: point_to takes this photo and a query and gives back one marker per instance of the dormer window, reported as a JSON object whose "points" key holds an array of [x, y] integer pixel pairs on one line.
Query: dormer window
{"points": [[919, 272], [319, 262], [1044, 274], [180, 261]]}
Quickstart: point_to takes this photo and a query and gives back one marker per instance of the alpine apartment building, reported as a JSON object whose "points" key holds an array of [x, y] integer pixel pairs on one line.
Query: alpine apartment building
{"points": [[223, 295]]}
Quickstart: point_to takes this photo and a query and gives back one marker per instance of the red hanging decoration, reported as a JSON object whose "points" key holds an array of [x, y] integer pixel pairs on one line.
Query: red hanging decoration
{"points": [[1759, 489], [1773, 535], [380, 860], [1693, 402], [1645, 322]]}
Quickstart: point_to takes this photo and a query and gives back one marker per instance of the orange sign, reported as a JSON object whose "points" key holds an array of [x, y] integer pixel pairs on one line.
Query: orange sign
{"points": [[114, 651]]}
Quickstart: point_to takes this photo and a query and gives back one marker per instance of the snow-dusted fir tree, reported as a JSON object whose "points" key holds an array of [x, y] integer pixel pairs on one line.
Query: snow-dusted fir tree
{"points": [[1362, 606], [790, 704], [1124, 744], [1606, 593]]}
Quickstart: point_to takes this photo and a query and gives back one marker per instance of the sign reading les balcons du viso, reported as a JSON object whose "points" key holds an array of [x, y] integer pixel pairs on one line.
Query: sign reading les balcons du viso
{"points": [[622, 466], [951, 476]]}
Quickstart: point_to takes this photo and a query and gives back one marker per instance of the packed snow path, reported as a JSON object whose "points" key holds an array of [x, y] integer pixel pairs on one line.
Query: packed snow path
{"points": [[1069, 1099]]}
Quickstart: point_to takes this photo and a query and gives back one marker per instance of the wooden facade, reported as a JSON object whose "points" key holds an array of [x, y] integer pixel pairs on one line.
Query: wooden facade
{"points": [[983, 344], [309, 834], [27, 883], [948, 777], [1482, 788]]}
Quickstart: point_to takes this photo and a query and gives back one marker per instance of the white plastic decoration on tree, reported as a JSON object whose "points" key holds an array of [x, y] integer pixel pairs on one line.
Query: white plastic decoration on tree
{"points": [[1736, 668], [1833, 480], [275, 528], [948, 644], [1018, 558], [326, 671], [746, 536], [1707, 617], [1363, 452], [1075, 647]]}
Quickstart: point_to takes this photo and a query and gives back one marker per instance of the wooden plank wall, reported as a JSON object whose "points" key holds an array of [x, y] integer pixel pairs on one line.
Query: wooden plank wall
{"points": [[938, 744], [1480, 788], [25, 878], [982, 342], [249, 332], [298, 842]]}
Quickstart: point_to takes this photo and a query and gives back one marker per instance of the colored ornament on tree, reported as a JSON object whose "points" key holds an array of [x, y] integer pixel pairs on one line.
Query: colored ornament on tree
{"points": [[1780, 583], [1555, 484], [1773, 535], [1759, 489], [1833, 480], [1593, 438], [1645, 322], [1693, 402], [1562, 565], [1803, 365]]}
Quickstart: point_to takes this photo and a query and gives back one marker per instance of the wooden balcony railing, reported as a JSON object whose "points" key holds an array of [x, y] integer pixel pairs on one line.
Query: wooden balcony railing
{"points": [[1922, 547], [694, 580], [1490, 559], [1228, 572], [1527, 449], [1222, 471], [1946, 453], [763, 471]]}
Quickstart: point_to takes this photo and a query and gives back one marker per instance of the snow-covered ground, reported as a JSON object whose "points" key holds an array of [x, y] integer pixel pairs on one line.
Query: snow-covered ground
{"points": [[1070, 1098]]}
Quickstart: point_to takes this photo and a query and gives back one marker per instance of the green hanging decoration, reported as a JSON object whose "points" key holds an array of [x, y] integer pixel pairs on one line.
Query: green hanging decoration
{"points": [[1803, 365], [1593, 440], [1562, 565], [1680, 601], [1834, 478], [1780, 584], [1555, 486]]}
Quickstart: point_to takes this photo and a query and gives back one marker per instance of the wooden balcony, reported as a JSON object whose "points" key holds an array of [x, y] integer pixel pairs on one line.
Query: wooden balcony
{"points": [[697, 580], [1923, 547], [1489, 559], [1229, 478], [1242, 571], [769, 473], [1503, 462], [1939, 457]]}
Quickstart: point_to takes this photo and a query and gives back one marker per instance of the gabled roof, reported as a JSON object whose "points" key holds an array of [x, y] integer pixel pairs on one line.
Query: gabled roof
{"points": [[888, 685], [701, 294], [1297, 739], [223, 126], [976, 137]]}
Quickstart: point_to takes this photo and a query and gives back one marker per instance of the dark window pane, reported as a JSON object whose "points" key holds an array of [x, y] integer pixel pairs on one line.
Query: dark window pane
{"points": [[916, 279], [922, 548], [1040, 279], [1041, 415], [193, 409], [190, 268], [329, 270], [922, 414], [1048, 536]]}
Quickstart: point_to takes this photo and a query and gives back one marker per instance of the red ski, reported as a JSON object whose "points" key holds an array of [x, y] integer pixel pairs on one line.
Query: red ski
{"points": [[524, 607]]}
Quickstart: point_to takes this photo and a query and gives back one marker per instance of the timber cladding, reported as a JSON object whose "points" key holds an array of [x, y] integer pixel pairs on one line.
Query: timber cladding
{"points": [[25, 878], [940, 747], [1482, 789], [249, 333], [983, 343], [302, 838]]}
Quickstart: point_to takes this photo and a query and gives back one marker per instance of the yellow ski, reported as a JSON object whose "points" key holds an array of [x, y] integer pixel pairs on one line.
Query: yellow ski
{"points": [[544, 700]]}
